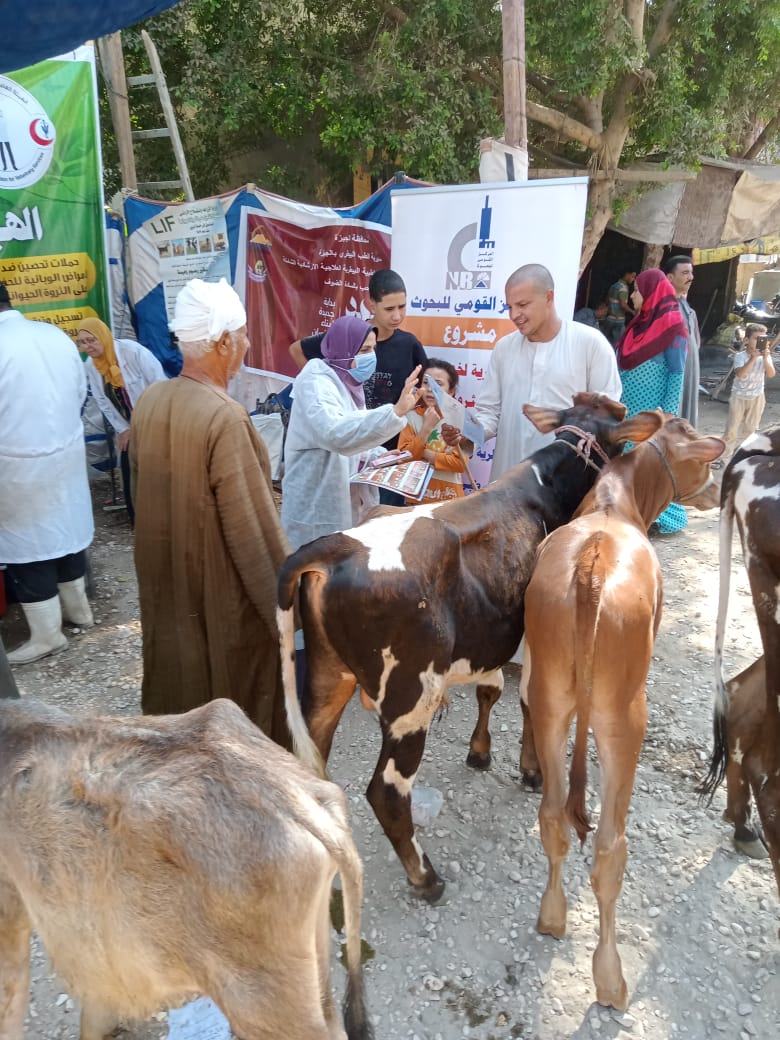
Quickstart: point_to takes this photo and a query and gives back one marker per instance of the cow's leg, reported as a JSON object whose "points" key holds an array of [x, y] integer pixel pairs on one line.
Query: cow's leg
{"points": [[15, 932], [553, 718], [488, 692], [746, 838], [96, 1023], [767, 795], [390, 795], [530, 770], [619, 741]]}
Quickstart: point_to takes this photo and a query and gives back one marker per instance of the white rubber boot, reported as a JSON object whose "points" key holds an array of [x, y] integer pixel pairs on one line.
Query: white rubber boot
{"points": [[75, 605], [46, 635]]}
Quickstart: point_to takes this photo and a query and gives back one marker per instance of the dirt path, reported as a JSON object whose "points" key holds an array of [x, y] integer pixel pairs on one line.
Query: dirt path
{"points": [[697, 924]]}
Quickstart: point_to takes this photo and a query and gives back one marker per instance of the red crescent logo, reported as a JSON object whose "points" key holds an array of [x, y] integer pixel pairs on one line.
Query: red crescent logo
{"points": [[44, 142]]}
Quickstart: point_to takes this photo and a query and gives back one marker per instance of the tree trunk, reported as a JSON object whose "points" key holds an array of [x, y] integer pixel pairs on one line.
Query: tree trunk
{"points": [[652, 256], [600, 195]]}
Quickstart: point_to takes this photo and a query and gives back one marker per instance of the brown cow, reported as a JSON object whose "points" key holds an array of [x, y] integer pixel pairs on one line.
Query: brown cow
{"points": [[751, 492], [412, 603], [161, 857], [592, 610], [745, 766]]}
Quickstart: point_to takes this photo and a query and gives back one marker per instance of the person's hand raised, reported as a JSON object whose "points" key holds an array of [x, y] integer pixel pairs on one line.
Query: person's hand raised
{"points": [[409, 395]]}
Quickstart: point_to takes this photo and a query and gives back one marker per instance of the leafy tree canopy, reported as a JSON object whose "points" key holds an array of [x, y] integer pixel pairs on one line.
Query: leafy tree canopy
{"points": [[415, 84]]}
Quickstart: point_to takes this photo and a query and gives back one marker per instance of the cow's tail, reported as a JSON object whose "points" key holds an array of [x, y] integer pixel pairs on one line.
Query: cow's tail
{"points": [[719, 759], [304, 747], [356, 1017], [588, 608]]}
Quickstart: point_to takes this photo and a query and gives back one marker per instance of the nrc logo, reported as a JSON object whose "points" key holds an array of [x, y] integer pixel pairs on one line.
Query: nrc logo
{"points": [[460, 279]]}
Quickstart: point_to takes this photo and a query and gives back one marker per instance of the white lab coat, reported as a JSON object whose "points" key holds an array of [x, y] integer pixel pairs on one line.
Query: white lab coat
{"points": [[544, 374], [327, 438], [139, 368], [45, 505]]}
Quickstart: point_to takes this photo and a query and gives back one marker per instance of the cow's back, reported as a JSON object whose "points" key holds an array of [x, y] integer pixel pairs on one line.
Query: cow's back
{"points": [[153, 855]]}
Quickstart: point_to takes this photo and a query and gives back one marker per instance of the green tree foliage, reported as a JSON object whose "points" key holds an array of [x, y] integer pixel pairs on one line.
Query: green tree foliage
{"points": [[415, 85]]}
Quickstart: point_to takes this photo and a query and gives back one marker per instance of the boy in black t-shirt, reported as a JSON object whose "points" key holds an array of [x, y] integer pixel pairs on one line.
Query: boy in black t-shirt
{"points": [[397, 352]]}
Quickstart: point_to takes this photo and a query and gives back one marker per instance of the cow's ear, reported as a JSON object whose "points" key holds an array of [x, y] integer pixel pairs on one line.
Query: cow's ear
{"points": [[544, 419], [600, 404], [703, 449], [638, 428]]}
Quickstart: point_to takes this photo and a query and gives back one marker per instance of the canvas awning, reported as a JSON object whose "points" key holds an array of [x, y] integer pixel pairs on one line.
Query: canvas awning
{"points": [[37, 29], [729, 204]]}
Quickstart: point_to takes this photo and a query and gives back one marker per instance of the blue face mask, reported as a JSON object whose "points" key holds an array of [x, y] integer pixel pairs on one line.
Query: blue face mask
{"points": [[365, 366]]}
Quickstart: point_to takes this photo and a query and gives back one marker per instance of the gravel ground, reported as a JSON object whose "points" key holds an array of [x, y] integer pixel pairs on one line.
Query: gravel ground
{"points": [[697, 923]]}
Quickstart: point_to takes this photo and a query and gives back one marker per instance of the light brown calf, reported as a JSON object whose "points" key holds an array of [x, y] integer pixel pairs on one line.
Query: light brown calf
{"points": [[592, 610], [158, 858]]}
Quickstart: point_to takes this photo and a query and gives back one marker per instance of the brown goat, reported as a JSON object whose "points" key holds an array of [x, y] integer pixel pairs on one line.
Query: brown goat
{"points": [[162, 857]]}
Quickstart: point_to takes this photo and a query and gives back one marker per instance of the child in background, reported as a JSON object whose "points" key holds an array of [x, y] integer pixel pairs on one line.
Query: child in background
{"points": [[746, 405], [422, 437]]}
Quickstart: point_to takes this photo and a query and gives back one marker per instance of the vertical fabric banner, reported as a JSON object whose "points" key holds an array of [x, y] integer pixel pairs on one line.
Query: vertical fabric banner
{"points": [[52, 245], [297, 279], [456, 246]]}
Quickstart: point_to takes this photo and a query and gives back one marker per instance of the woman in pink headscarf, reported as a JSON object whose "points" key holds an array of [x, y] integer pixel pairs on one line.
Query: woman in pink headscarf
{"points": [[331, 433], [651, 357]]}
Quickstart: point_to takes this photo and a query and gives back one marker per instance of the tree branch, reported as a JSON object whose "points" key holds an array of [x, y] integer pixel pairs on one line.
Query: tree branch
{"points": [[757, 147], [663, 28], [570, 128]]}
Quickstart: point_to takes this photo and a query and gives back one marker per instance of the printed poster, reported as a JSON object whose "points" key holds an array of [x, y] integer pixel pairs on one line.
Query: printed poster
{"points": [[456, 246], [183, 241], [52, 247], [296, 280]]}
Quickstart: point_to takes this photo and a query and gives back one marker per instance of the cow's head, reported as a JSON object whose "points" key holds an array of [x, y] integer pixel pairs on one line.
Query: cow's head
{"points": [[687, 458], [599, 416]]}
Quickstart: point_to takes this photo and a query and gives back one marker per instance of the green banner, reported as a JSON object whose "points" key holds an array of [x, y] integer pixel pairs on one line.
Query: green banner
{"points": [[52, 244]]}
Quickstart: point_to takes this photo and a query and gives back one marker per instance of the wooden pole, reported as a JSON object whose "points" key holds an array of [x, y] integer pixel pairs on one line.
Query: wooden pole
{"points": [[112, 62], [513, 25]]}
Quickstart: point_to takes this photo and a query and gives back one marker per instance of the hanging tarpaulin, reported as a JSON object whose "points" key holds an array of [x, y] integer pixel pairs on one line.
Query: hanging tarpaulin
{"points": [[171, 242], [52, 246]]}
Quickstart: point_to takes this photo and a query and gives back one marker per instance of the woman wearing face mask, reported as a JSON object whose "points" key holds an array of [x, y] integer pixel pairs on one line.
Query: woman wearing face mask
{"points": [[332, 433]]}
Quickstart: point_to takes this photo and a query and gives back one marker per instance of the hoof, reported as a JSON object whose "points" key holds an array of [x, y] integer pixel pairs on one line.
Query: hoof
{"points": [[557, 929], [432, 892], [754, 848], [531, 780], [616, 998], [478, 759]]}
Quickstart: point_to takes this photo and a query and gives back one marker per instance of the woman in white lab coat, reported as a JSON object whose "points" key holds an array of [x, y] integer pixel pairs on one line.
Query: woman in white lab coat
{"points": [[331, 432], [118, 372]]}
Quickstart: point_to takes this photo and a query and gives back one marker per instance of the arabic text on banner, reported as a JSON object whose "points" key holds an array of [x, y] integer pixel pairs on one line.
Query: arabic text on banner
{"points": [[455, 248], [52, 249]]}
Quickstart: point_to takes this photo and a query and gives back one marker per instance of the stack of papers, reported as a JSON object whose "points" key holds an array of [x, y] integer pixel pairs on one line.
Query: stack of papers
{"points": [[410, 479]]}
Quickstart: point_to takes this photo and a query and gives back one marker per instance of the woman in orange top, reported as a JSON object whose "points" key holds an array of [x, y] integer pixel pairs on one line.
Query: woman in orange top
{"points": [[422, 437]]}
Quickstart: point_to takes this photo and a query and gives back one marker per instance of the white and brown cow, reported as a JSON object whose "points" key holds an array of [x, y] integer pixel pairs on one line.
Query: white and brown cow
{"points": [[592, 610], [751, 493], [410, 604], [162, 857]]}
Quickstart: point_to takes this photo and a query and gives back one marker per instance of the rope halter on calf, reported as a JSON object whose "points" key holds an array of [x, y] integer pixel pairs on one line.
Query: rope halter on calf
{"points": [[586, 445]]}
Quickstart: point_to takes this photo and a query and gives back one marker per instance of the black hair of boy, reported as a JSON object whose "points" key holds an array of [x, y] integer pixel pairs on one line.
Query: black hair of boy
{"points": [[445, 366], [383, 283]]}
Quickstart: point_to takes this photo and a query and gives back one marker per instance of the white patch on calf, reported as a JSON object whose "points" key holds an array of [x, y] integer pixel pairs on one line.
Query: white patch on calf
{"points": [[777, 604], [384, 537], [419, 851], [536, 473], [389, 663], [748, 493], [433, 688], [402, 784], [737, 754], [757, 442]]}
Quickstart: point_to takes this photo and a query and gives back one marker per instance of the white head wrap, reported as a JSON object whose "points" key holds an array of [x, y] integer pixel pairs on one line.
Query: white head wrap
{"points": [[204, 310]]}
